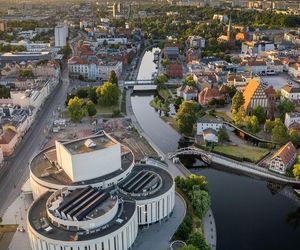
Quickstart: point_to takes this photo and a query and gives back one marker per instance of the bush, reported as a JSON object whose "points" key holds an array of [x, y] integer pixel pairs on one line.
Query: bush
{"points": [[200, 201], [116, 113], [185, 228]]}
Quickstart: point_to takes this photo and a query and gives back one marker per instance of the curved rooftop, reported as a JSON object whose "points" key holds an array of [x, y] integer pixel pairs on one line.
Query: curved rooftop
{"points": [[39, 220], [146, 182]]}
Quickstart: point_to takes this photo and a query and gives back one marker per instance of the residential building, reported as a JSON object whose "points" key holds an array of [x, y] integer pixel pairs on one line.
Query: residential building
{"points": [[208, 122], [255, 48], [171, 51], [174, 70], [24, 56], [208, 94], [8, 141], [93, 69], [294, 70], [187, 92], [196, 42], [283, 159], [290, 92], [255, 95], [290, 118], [61, 35], [255, 66], [210, 135]]}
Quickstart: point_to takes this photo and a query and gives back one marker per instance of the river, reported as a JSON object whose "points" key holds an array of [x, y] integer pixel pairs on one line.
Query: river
{"points": [[248, 215]]}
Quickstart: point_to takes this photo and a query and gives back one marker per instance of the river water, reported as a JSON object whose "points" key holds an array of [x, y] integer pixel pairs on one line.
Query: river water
{"points": [[249, 216]]}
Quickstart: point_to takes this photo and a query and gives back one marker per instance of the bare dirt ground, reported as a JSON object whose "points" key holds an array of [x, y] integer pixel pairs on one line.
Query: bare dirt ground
{"points": [[120, 128]]}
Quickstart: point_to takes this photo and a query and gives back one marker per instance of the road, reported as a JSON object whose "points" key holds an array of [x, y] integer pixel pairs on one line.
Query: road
{"points": [[17, 170]]}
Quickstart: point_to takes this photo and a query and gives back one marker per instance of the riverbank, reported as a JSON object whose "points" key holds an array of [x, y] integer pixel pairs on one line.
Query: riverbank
{"points": [[178, 169]]}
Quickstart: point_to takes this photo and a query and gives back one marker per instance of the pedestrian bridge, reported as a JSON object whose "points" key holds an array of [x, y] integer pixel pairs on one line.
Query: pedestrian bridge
{"points": [[206, 157], [139, 82]]}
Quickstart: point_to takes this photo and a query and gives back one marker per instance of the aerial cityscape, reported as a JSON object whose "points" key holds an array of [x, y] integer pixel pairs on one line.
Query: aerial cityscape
{"points": [[150, 125]]}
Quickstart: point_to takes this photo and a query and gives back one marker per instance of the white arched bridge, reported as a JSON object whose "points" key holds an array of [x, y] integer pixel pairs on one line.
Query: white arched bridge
{"points": [[205, 156]]}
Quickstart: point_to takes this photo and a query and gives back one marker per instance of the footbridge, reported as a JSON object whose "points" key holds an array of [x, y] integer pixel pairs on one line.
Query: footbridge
{"points": [[206, 157], [245, 167]]}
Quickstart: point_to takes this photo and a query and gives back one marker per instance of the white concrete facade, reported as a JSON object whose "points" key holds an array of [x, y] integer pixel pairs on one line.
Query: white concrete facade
{"points": [[205, 125]]}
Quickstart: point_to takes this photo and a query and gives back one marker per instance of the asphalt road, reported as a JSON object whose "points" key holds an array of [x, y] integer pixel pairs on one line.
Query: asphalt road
{"points": [[17, 171]]}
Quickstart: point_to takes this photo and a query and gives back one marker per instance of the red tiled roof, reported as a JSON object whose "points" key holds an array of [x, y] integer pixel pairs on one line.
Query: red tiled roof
{"points": [[7, 136], [286, 153]]}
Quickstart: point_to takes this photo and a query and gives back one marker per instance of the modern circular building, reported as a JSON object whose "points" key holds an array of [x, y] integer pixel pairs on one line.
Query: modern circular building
{"points": [[90, 194], [99, 161]]}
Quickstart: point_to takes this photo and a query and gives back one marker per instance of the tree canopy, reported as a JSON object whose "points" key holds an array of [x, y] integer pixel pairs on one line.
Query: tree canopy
{"points": [[76, 109], [186, 116], [108, 94], [113, 77], [237, 101]]}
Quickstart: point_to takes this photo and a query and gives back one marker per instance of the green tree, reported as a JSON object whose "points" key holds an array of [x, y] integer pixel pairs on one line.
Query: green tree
{"points": [[295, 138], [188, 247], [4, 92], [259, 112], [185, 228], [237, 102], [286, 106], [252, 123], [91, 108], [161, 79], [200, 201], [279, 134], [76, 109], [82, 93], [189, 80], [223, 135], [296, 169], [92, 95], [269, 125], [113, 77], [239, 116], [197, 239], [186, 116], [108, 94], [66, 51]]}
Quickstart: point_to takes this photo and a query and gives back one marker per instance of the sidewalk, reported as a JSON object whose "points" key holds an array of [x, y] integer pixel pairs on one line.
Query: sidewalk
{"points": [[17, 214]]}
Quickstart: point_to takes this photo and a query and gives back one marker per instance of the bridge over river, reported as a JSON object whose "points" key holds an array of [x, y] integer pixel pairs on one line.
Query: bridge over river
{"points": [[249, 168]]}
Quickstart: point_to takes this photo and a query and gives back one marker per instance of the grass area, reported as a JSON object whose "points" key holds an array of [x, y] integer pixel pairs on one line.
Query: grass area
{"points": [[106, 109], [171, 120], [164, 93], [223, 115], [10, 228], [252, 153], [158, 106]]}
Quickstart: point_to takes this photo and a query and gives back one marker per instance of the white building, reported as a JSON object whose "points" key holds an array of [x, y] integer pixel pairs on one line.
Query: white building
{"points": [[283, 159], [187, 92], [294, 70], [98, 202], [196, 42], [291, 118], [290, 92], [61, 35], [112, 40], [207, 122], [93, 70], [256, 48]]}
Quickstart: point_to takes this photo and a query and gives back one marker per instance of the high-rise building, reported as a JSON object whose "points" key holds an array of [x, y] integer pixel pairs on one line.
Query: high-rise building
{"points": [[61, 34]]}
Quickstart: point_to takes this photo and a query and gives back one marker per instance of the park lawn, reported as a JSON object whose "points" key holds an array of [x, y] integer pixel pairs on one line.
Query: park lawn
{"points": [[106, 109], [164, 93], [223, 115], [249, 152]]}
